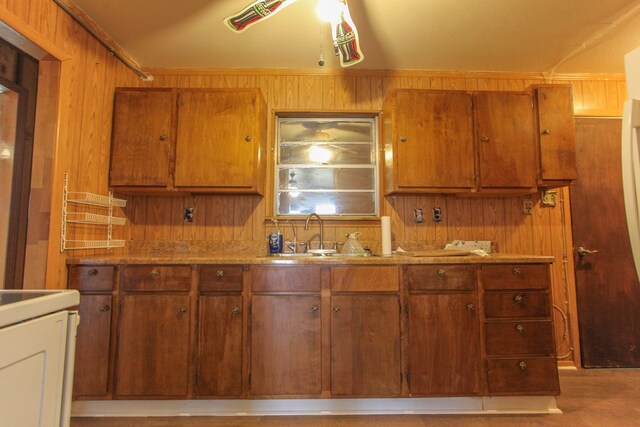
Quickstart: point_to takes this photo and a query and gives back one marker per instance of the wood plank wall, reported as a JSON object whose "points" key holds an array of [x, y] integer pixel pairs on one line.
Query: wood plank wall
{"points": [[87, 82]]}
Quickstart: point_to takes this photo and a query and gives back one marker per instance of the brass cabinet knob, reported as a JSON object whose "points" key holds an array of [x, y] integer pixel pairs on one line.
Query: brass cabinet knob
{"points": [[471, 307], [235, 310], [517, 271], [248, 138], [518, 298], [484, 139], [546, 132], [336, 308], [163, 137], [442, 273], [315, 307], [520, 328], [104, 308], [92, 272], [155, 273], [522, 365], [182, 310], [403, 138], [220, 274]]}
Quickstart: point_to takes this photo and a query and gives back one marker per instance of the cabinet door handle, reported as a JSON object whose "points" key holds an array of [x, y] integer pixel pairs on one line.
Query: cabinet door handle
{"points": [[104, 308], [235, 310], [520, 328], [248, 138], [93, 272], [403, 138], [314, 307], [518, 299], [442, 273], [220, 274], [182, 310], [336, 308], [522, 365], [471, 307], [155, 273], [163, 137]]}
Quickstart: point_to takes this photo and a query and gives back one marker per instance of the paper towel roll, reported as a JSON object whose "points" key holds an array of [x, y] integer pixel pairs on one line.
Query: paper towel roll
{"points": [[386, 235]]}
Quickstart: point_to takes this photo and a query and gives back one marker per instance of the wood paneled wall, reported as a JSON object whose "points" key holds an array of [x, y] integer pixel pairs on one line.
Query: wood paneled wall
{"points": [[82, 122]]}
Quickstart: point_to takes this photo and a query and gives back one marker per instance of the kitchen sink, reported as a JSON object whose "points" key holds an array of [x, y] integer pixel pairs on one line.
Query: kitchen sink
{"points": [[314, 255]]}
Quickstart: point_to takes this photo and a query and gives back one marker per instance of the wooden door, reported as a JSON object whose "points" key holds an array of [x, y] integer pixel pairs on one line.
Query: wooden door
{"points": [[216, 139], [141, 139], [608, 292], [365, 345], [285, 345], [219, 357], [444, 344], [91, 374], [153, 346], [434, 139], [506, 142]]}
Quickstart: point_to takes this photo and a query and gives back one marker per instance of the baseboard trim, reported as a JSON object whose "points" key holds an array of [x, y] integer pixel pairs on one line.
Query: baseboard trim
{"points": [[453, 405]]}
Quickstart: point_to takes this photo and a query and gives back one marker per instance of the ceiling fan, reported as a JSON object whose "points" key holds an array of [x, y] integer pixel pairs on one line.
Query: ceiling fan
{"points": [[346, 44]]}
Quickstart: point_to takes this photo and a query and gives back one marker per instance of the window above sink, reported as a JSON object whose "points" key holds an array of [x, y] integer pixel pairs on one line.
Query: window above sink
{"points": [[327, 165]]}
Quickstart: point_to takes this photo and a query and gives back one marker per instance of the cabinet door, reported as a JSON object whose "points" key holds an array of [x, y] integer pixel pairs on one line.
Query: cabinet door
{"points": [[91, 377], [217, 144], [285, 345], [365, 345], [506, 143], [220, 346], [153, 346], [444, 344], [434, 139], [556, 127], [141, 138]]}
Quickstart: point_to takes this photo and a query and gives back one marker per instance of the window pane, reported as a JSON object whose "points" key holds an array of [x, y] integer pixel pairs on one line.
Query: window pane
{"points": [[327, 179], [325, 203], [326, 154], [344, 130]]}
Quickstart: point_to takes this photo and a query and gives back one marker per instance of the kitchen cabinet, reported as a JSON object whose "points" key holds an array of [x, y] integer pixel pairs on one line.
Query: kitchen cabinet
{"points": [[92, 374], [428, 140], [519, 341], [220, 337], [444, 330], [556, 134], [286, 331], [365, 331], [505, 139], [154, 337], [197, 140]]}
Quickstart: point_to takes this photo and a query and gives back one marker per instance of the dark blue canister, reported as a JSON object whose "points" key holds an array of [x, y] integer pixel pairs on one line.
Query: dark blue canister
{"points": [[275, 243]]}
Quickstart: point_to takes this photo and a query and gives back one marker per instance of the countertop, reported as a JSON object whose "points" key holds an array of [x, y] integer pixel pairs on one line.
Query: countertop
{"points": [[180, 258]]}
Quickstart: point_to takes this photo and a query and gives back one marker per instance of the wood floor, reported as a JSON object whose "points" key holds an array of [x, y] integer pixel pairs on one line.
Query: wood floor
{"points": [[590, 398]]}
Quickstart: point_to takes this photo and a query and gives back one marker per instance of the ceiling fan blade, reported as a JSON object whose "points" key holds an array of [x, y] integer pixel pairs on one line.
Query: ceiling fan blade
{"points": [[255, 12], [345, 37]]}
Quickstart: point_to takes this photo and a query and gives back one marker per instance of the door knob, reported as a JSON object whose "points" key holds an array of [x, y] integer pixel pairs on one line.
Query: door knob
{"points": [[583, 252]]}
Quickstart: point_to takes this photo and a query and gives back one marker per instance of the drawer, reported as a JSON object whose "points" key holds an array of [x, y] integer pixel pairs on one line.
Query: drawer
{"points": [[91, 278], [523, 376], [286, 279], [440, 277], [156, 278], [220, 278], [519, 337], [515, 276], [365, 279], [517, 304]]}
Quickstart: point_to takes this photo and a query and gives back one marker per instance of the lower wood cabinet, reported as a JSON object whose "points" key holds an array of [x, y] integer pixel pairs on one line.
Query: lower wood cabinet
{"points": [[365, 345], [153, 346]]}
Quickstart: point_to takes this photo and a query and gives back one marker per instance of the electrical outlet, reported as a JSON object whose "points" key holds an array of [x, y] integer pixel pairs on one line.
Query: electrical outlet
{"points": [[187, 214], [437, 214], [527, 206], [418, 217], [550, 198]]}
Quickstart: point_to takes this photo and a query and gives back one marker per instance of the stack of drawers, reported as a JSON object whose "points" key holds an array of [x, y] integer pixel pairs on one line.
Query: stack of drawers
{"points": [[519, 339]]}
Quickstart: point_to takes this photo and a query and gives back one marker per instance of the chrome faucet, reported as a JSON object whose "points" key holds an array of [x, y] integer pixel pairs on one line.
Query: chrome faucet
{"points": [[306, 227], [294, 243]]}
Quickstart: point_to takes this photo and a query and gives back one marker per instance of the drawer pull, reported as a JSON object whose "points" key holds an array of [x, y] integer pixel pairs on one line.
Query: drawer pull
{"points": [[154, 273], [522, 365], [220, 274], [520, 328], [336, 308], [471, 307], [315, 307], [442, 273], [517, 271], [518, 299], [235, 310], [92, 272], [182, 310], [104, 308]]}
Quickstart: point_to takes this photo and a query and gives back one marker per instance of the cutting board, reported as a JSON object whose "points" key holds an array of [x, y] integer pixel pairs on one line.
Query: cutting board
{"points": [[436, 253]]}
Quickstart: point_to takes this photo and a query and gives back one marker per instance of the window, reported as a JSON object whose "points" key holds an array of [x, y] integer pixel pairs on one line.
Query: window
{"points": [[327, 165]]}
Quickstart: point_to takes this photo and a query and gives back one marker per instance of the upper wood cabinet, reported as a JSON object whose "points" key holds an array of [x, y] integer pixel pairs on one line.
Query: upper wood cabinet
{"points": [[189, 140], [556, 134], [506, 140], [428, 139]]}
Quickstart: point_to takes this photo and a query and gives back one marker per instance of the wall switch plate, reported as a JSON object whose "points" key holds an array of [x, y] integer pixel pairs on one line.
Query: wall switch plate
{"points": [[527, 206], [550, 198], [187, 215]]}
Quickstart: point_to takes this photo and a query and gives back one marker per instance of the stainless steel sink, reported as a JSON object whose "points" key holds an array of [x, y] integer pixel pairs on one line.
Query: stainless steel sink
{"points": [[323, 255]]}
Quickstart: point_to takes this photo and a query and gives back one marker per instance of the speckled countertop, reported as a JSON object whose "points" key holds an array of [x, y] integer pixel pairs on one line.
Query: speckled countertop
{"points": [[181, 258]]}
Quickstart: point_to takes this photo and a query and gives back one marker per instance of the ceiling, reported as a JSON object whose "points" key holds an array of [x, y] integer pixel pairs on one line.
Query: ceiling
{"points": [[562, 36]]}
